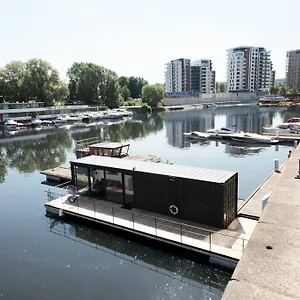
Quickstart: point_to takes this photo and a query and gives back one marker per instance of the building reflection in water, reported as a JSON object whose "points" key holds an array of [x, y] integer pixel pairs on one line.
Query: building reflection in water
{"points": [[246, 118]]}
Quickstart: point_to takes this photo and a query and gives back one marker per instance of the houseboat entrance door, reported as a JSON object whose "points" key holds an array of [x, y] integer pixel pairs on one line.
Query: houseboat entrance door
{"points": [[174, 194], [128, 191]]}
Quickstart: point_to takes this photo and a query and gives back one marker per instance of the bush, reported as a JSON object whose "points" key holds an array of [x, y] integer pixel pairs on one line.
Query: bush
{"points": [[149, 108]]}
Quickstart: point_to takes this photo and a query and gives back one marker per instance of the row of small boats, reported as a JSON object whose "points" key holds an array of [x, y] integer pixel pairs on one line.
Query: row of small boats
{"points": [[114, 114]]}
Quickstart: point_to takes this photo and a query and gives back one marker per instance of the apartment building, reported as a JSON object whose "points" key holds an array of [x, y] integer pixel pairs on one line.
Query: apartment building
{"points": [[203, 78], [249, 69], [178, 76], [182, 76], [293, 69]]}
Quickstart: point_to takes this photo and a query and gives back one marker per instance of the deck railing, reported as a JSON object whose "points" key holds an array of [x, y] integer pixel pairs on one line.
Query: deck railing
{"points": [[85, 142], [199, 237]]}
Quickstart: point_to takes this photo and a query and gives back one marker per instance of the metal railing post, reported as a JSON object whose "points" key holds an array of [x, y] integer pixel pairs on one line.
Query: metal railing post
{"points": [[132, 220], [210, 242], [94, 209], [181, 233], [155, 226], [243, 245], [113, 215]]}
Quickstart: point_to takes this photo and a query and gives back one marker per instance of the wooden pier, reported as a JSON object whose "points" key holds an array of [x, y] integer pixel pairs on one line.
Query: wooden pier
{"points": [[226, 245]]}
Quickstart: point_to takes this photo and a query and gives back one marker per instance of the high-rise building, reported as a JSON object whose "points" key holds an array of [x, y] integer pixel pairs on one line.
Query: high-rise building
{"points": [[202, 76], [249, 69], [178, 76], [293, 69]]}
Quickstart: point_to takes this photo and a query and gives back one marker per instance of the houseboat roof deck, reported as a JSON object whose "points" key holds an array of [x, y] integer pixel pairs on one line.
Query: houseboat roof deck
{"points": [[109, 145], [194, 173]]}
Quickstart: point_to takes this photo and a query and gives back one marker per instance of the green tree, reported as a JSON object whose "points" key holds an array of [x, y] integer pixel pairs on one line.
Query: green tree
{"points": [[60, 93], [222, 87], [282, 91], [292, 91], [94, 85], [11, 79], [123, 81], [125, 92], [135, 85], [152, 94], [40, 81]]}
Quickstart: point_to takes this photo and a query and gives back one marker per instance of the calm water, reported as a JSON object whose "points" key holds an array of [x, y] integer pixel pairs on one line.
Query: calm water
{"points": [[41, 258]]}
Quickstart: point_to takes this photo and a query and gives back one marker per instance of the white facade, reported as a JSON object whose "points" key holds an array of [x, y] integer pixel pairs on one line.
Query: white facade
{"points": [[249, 69], [178, 75]]}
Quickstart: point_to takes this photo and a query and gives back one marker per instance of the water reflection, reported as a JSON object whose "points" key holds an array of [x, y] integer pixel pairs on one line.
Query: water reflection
{"points": [[246, 118], [209, 282], [30, 155], [30, 150], [139, 127]]}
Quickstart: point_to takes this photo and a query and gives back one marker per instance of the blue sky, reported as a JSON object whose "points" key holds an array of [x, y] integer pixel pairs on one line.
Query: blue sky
{"points": [[136, 37]]}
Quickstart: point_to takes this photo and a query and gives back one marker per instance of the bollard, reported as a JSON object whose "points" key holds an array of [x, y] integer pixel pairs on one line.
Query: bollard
{"points": [[298, 172], [295, 144], [61, 213], [276, 165], [277, 133], [217, 132]]}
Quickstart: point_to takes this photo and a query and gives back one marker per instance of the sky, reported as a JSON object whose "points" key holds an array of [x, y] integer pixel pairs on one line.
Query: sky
{"points": [[137, 37]]}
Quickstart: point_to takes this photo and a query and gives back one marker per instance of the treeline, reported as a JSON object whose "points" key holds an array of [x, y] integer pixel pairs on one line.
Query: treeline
{"points": [[88, 84]]}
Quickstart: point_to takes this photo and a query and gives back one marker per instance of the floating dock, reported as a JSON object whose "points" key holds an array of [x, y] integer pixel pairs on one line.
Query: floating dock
{"points": [[226, 245], [58, 174]]}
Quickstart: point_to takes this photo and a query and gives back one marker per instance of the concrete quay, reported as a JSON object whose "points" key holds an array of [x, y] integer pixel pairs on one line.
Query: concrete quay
{"points": [[270, 265]]}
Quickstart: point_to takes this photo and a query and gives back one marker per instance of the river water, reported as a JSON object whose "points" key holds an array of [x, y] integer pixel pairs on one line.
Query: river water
{"points": [[42, 258]]}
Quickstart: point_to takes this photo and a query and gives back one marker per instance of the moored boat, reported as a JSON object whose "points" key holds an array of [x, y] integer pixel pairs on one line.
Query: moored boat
{"points": [[196, 135], [253, 138], [223, 130]]}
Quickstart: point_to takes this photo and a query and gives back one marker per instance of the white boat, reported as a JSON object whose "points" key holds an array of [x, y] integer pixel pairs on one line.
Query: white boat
{"points": [[36, 122], [61, 120], [271, 99], [223, 130], [10, 124], [253, 138], [196, 135], [283, 128], [210, 106], [123, 112]]}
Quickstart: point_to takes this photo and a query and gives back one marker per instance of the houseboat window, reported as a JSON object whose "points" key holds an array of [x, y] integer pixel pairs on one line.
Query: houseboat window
{"points": [[107, 152], [114, 187], [128, 189], [98, 189], [82, 178]]}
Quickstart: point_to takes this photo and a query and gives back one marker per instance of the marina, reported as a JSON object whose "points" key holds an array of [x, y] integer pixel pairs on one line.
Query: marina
{"points": [[51, 241]]}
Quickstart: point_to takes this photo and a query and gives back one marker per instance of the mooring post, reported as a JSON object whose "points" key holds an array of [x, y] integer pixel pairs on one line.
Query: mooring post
{"points": [[210, 242], [113, 215], [276, 165], [94, 204], [155, 226], [295, 144]]}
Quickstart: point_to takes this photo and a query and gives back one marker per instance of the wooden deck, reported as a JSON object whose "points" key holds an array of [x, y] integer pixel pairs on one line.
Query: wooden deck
{"points": [[228, 244], [58, 174]]}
